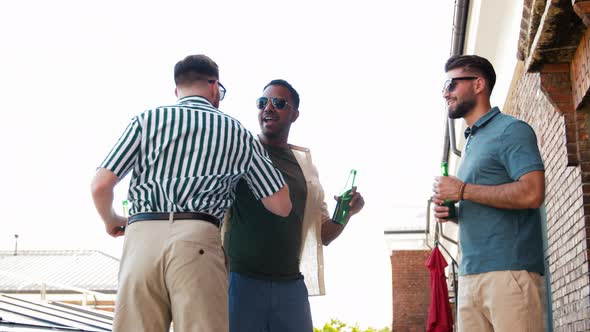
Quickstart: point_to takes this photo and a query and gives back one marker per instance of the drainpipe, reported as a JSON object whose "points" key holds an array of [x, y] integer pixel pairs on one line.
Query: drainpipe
{"points": [[457, 47], [450, 143]]}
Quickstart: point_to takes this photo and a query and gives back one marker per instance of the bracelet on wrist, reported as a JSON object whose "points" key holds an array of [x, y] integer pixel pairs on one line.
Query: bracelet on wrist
{"points": [[462, 190]]}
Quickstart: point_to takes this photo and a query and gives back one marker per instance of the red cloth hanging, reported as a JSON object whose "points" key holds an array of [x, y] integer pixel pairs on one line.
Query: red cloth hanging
{"points": [[440, 316]]}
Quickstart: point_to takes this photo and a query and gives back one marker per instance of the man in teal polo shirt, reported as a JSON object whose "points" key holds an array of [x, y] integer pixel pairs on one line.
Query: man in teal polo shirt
{"points": [[500, 186]]}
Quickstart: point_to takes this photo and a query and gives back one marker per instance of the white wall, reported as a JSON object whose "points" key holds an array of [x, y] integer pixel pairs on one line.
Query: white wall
{"points": [[492, 32]]}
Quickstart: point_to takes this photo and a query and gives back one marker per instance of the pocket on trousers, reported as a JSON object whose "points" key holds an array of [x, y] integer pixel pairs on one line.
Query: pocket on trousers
{"points": [[515, 281], [191, 251]]}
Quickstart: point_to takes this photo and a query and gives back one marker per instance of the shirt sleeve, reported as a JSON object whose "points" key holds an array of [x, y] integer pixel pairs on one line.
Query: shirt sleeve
{"points": [[263, 178], [520, 152], [122, 157]]}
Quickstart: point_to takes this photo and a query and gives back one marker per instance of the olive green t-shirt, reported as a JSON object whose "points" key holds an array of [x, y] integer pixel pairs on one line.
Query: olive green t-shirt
{"points": [[259, 243]]}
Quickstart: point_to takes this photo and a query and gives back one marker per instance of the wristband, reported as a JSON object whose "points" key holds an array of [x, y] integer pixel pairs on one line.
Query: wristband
{"points": [[462, 190]]}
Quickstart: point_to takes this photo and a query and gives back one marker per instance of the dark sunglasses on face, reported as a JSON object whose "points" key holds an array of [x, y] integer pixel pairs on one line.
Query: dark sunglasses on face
{"points": [[451, 83], [278, 103]]}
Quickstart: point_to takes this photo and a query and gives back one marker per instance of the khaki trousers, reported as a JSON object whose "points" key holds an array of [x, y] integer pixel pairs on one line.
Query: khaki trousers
{"points": [[172, 271], [501, 301]]}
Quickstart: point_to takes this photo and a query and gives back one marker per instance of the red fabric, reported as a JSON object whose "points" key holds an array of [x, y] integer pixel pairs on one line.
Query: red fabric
{"points": [[440, 316]]}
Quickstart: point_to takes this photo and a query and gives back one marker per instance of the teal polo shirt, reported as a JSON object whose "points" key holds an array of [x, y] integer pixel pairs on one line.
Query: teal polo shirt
{"points": [[499, 149]]}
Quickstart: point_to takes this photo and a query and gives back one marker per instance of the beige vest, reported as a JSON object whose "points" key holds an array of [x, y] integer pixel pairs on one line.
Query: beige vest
{"points": [[316, 213]]}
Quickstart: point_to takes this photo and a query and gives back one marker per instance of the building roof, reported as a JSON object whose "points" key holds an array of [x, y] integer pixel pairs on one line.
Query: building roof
{"points": [[63, 271], [406, 219], [27, 315]]}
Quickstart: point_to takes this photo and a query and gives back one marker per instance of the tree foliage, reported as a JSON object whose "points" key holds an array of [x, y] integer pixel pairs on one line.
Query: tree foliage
{"points": [[336, 325]]}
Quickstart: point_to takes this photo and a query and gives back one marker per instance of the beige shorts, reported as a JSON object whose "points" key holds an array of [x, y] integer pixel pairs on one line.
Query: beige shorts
{"points": [[172, 271], [501, 301]]}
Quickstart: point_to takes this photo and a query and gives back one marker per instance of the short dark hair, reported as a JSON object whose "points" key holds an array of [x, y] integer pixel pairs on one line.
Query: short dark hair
{"points": [[195, 68], [287, 86], [475, 64]]}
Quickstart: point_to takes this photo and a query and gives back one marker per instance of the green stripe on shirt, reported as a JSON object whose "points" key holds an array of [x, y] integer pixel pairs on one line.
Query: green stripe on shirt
{"points": [[189, 157]]}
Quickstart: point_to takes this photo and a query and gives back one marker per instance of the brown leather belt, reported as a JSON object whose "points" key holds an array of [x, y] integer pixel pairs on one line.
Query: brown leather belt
{"points": [[177, 216]]}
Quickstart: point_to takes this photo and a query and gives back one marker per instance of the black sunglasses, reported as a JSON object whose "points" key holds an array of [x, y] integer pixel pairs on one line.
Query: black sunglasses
{"points": [[221, 88], [278, 103], [451, 83]]}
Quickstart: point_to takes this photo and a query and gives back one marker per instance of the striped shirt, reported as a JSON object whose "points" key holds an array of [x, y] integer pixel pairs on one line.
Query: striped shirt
{"points": [[188, 158]]}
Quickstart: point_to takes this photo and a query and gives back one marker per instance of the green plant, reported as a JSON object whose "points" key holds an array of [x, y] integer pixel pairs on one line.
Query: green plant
{"points": [[336, 325]]}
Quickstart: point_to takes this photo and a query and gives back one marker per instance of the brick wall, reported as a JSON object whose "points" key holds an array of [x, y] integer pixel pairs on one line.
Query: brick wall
{"points": [[411, 290], [563, 139], [580, 70]]}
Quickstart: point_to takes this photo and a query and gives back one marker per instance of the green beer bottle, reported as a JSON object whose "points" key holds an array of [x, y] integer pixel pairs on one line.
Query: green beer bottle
{"points": [[343, 205], [451, 204], [125, 208]]}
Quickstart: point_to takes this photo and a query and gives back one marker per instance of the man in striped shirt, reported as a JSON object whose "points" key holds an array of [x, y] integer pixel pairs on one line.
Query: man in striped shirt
{"points": [[185, 160]]}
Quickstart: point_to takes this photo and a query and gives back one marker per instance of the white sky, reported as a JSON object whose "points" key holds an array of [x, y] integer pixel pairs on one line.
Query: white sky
{"points": [[72, 74]]}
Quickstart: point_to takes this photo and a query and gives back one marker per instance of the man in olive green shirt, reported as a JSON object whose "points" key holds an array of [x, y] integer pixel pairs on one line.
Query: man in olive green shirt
{"points": [[267, 291]]}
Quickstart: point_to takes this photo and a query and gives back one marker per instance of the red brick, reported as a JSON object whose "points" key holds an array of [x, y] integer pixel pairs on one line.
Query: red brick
{"points": [[579, 71], [556, 68], [411, 289]]}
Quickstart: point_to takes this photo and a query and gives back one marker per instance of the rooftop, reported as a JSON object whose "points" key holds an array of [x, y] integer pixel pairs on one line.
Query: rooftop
{"points": [[26, 315], [406, 219], [61, 271]]}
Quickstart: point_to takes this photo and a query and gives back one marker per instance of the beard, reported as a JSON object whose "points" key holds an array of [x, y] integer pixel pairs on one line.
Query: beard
{"points": [[462, 109]]}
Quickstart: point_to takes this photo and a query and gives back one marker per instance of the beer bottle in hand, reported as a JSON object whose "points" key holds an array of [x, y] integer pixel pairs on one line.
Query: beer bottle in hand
{"points": [[451, 204], [343, 204]]}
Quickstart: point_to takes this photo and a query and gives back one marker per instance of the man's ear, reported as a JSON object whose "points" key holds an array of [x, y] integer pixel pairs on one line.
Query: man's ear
{"points": [[295, 115], [176, 92], [214, 89], [481, 85]]}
